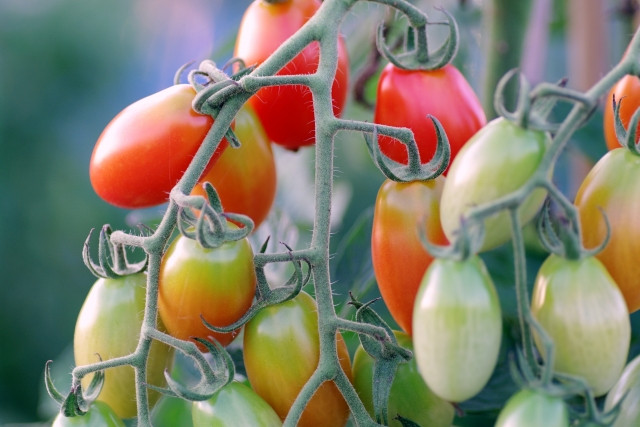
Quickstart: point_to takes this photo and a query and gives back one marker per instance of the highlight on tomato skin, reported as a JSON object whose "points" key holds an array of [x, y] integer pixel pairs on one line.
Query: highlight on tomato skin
{"points": [[144, 151]]}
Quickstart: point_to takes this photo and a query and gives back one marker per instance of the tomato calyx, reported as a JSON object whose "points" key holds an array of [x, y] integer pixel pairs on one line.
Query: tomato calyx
{"points": [[77, 402], [112, 257], [467, 242], [626, 137]]}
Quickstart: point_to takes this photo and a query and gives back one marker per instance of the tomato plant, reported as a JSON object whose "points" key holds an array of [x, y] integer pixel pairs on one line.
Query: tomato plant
{"points": [[582, 310], [98, 415], [628, 88], [109, 325], [495, 162], [533, 408], [612, 188], [281, 352], [399, 259], [628, 388], [457, 327], [145, 149], [410, 397], [287, 111], [234, 405], [444, 93], [218, 284], [245, 177]]}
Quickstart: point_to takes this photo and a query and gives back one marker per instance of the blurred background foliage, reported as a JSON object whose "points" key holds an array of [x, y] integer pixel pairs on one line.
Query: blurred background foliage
{"points": [[67, 67]]}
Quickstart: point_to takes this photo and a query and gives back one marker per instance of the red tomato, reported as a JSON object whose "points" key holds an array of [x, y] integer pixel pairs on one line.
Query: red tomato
{"points": [[145, 149], [628, 88], [406, 97], [281, 352], [245, 177], [217, 283], [287, 111], [399, 259]]}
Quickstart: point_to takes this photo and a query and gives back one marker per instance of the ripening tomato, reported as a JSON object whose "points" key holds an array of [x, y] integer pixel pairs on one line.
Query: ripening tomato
{"points": [[98, 415], [410, 397], [109, 325], [495, 162], [218, 284], [406, 97], [245, 177], [582, 310], [628, 388], [628, 88], [234, 405], [533, 408], [281, 352], [286, 112], [457, 328], [612, 187], [398, 257], [145, 149]]}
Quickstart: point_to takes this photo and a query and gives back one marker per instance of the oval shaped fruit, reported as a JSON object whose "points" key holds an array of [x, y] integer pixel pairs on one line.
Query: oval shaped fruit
{"points": [[628, 388], [532, 408]]}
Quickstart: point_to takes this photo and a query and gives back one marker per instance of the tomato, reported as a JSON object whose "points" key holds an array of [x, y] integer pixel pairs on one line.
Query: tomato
{"points": [[628, 388], [218, 284], [628, 88], [613, 185], [98, 415], [495, 162], [582, 310], [281, 352], [287, 111], [145, 149], [444, 93], [109, 325], [533, 408], [457, 328], [399, 259], [245, 177], [410, 397], [234, 405]]}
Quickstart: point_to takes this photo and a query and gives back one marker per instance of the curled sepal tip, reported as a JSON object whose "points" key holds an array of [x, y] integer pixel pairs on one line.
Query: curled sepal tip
{"points": [[416, 55], [77, 402], [112, 258], [467, 241], [626, 137]]}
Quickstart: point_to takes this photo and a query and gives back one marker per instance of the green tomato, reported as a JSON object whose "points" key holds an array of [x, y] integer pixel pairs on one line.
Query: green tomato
{"points": [[98, 415], [627, 387], [457, 328], [582, 310], [532, 408], [109, 325], [495, 162], [410, 397], [235, 405]]}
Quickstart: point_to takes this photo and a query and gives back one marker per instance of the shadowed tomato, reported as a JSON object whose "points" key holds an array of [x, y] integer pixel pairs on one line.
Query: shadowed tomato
{"points": [[145, 149], [98, 415], [628, 88], [532, 408], [286, 112]]}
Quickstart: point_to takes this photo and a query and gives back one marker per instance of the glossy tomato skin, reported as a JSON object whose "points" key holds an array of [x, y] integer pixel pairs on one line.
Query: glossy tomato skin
{"points": [[627, 90], [98, 415], [406, 97], [410, 397], [457, 328], [582, 310], [235, 405], [287, 111], [109, 324], [245, 177], [613, 187], [628, 388], [531, 408], [145, 149], [217, 283], [398, 257], [495, 162], [281, 352]]}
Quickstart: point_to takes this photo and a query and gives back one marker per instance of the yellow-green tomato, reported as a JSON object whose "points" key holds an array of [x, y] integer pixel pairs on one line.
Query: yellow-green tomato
{"points": [[98, 415], [532, 408], [457, 328], [495, 162], [410, 397], [627, 387], [109, 325], [582, 310], [235, 405]]}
